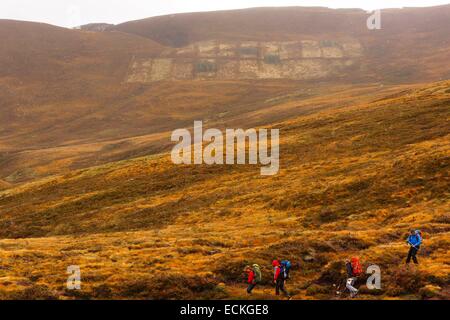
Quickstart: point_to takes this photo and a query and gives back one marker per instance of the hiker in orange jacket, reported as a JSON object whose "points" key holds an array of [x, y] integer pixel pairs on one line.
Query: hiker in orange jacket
{"points": [[251, 279], [279, 278]]}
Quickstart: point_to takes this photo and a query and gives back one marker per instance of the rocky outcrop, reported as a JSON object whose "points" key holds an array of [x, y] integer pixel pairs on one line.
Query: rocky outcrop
{"points": [[298, 60]]}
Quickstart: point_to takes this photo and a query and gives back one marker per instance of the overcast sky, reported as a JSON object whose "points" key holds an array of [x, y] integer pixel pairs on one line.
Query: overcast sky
{"points": [[71, 13]]}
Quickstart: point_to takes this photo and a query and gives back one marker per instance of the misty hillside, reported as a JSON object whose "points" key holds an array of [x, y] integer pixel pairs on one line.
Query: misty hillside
{"points": [[86, 117], [353, 181]]}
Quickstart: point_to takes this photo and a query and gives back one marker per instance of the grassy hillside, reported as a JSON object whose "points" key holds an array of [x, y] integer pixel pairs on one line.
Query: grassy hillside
{"points": [[353, 180], [138, 121], [391, 55], [65, 102], [4, 184], [277, 23]]}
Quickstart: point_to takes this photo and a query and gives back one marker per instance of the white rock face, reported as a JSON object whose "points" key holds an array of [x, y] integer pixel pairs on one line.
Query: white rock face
{"points": [[297, 60]]}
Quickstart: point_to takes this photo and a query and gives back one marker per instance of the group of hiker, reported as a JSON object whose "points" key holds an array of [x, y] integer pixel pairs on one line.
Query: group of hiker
{"points": [[281, 269], [354, 269]]}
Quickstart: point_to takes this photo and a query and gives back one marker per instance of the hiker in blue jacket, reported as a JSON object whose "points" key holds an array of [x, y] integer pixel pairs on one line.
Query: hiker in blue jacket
{"points": [[414, 241]]}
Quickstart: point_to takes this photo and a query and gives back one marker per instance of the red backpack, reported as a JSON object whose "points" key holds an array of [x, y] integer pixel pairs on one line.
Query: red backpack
{"points": [[356, 267]]}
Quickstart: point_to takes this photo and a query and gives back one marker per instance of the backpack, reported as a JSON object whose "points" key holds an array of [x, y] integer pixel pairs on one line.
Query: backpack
{"points": [[287, 264], [420, 234], [285, 267], [257, 271], [356, 267]]}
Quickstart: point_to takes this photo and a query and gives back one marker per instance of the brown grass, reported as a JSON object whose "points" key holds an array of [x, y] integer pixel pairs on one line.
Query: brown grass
{"points": [[353, 181]]}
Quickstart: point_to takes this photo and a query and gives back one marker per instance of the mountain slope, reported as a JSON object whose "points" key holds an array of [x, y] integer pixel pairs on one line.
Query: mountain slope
{"points": [[393, 125], [4, 184], [56, 83], [353, 181], [391, 54], [267, 24], [71, 99]]}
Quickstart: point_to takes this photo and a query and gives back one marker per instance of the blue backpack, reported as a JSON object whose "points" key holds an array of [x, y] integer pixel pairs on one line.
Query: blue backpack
{"points": [[285, 267]]}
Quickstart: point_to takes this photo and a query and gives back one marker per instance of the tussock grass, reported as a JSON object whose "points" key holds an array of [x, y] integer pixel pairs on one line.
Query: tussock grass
{"points": [[354, 180]]}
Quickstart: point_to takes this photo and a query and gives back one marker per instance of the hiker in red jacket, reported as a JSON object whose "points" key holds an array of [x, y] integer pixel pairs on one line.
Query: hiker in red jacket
{"points": [[251, 279], [279, 277], [354, 270]]}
